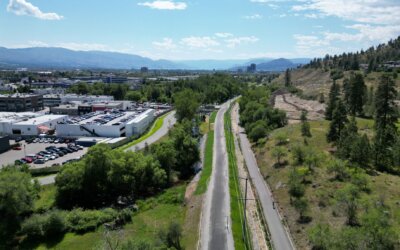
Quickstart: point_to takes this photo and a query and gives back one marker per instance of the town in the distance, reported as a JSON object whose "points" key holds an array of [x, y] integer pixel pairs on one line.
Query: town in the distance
{"points": [[208, 125]]}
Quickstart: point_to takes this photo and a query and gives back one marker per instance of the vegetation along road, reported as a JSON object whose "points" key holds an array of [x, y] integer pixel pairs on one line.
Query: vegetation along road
{"points": [[216, 232], [279, 236]]}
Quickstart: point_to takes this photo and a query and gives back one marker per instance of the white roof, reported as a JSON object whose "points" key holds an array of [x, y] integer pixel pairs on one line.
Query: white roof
{"points": [[15, 117], [41, 119], [141, 116]]}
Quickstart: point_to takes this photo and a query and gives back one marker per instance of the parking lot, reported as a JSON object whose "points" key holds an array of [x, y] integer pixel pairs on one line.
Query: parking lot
{"points": [[12, 155]]}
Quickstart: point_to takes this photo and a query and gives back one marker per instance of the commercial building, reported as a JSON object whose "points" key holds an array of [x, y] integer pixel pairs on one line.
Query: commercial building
{"points": [[109, 124], [67, 109], [21, 102], [9, 118], [38, 125], [53, 100]]}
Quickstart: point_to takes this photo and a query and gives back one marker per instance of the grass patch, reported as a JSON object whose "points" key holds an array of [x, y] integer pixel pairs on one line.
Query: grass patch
{"points": [[153, 214], [47, 198], [156, 126], [207, 166], [213, 116], [321, 190], [234, 190]]}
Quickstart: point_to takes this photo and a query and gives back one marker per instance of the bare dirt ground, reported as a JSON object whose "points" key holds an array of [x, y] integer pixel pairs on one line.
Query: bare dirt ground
{"points": [[293, 106], [254, 221]]}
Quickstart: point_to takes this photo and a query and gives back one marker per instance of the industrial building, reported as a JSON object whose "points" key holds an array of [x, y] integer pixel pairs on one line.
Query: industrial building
{"points": [[107, 124], [21, 102]]}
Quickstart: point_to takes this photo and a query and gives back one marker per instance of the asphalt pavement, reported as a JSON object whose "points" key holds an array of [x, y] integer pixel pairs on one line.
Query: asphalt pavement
{"points": [[280, 237], [216, 223], [169, 121]]}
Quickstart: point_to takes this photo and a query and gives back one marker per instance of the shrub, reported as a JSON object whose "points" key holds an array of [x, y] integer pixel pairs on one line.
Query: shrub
{"points": [[82, 221], [45, 225]]}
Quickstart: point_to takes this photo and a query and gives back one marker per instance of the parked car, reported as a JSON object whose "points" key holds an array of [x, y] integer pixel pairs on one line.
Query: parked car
{"points": [[18, 139], [17, 148], [28, 159], [39, 161]]}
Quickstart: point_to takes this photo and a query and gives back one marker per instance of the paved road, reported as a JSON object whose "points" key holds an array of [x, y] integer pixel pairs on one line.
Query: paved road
{"points": [[47, 179], [216, 231], [169, 121], [280, 238]]}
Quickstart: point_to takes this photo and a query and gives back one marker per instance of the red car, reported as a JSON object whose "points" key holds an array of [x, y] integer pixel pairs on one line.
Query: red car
{"points": [[17, 148], [28, 159]]}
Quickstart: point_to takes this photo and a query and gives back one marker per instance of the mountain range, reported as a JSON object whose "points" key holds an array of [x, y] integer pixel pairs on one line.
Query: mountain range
{"points": [[61, 58]]}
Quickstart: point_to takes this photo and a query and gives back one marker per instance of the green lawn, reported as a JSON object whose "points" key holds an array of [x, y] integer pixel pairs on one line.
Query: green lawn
{"points": [[154, 213], [46, 199], [234, 190], [212, 116], [156, 126], [207, 165]]}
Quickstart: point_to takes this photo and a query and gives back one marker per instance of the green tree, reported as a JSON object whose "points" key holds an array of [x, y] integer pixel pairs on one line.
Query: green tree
{"points": [[133, 96], [186, 103], [339, 120], [305, 125], [278, 153], [386, 116], [338, 167], [288, 81], [333, 98], [172, 236], [378, 229], [301, 206], [166, 154], [361, 151], [357, 94], [17, 194], [348, 201], [296, 187], [348, 136], [320, 236]]}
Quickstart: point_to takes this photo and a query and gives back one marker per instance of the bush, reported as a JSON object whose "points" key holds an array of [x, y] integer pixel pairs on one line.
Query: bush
{"points": [[45, 225], [82, 221]]}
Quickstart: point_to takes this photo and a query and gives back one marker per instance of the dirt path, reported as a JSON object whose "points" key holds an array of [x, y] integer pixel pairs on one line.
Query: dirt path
{"points": [[293, 106], [253, 219]]}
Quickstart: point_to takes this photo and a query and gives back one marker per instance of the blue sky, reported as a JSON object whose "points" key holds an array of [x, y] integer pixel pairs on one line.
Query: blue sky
{"points": [[201, 29]]}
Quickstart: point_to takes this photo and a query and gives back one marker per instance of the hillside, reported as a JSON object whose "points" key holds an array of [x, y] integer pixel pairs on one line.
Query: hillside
{"points": [[321, 188]]}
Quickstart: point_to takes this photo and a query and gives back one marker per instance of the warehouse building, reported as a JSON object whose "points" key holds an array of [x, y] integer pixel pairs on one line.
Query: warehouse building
{"points": [[107, 124]]}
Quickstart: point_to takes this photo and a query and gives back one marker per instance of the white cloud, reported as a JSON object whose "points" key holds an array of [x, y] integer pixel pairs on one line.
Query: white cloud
{"points": [[164, 5], [22, 8], [253, 17], [199, 42], [223, 34], [233, 42], [365, 11], [166, 43]]}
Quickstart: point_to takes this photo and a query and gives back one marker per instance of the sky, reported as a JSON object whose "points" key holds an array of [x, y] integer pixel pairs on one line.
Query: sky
{"points": [[201, 29]]}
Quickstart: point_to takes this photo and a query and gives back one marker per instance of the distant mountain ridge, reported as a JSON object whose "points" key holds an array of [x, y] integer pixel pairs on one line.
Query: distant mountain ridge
{"points": [[280, 64], [61, 58]]}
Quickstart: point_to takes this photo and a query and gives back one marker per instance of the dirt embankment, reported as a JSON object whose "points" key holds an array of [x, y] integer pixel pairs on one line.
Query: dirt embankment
{"points": [[293, 106]]}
